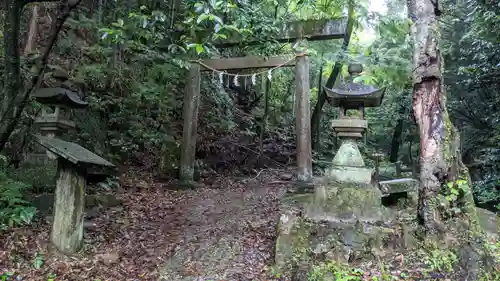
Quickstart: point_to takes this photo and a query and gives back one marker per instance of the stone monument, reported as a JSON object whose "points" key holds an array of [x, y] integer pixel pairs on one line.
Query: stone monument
{"points": [[343, 219]]}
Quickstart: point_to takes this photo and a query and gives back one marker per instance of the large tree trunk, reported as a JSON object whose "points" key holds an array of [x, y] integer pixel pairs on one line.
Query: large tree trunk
{"points": [[440, 157], [12, 61], [439, 140]]}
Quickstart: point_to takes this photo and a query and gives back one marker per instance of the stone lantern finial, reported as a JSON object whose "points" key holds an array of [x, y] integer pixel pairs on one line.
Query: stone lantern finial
{"points": [[355, 69]]}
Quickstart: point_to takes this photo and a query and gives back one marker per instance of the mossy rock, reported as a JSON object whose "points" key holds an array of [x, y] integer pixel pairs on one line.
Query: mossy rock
{"points": [[489, 222], [340, 222], [348, 203], [303, 242]]}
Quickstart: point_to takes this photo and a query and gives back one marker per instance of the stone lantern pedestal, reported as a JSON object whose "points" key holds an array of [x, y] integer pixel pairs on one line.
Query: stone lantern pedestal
{"points": [[348, 165]]}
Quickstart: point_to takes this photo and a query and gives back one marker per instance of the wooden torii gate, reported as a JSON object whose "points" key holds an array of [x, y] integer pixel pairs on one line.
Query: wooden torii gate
{"points": [[313, 30]]}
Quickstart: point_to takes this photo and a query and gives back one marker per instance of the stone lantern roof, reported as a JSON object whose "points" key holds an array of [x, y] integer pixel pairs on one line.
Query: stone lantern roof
{"points": [[353, 95], [54, 120], [59, 97]]}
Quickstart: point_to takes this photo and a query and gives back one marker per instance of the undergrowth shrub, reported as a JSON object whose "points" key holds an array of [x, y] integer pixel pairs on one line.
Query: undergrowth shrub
{"points": [[14, 210], [333, 271], [39, 178], [487, 190]]}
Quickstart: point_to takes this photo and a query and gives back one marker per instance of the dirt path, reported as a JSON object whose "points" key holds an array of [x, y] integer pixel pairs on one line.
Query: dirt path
{"points": [[224, 232], [229, 235]]}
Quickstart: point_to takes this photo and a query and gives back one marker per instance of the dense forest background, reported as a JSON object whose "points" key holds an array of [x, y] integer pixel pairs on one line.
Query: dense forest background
{"points": [[129, 60]]}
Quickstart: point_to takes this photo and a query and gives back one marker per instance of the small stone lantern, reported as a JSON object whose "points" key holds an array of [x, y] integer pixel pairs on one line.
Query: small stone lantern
{"points": [[54, 119], [352, 96]]}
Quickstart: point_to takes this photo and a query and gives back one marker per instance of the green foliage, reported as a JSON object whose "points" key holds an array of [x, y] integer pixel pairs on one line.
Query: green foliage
{"points": [[333, 271], [441, 260], [38, 261], [14, 210], [456, 189], [487, 276], [132, 62], [274, 272], [451, 197], [486, 189], [11, 276], [470, 32], [136, 92], [494, 248], [40, 179]]}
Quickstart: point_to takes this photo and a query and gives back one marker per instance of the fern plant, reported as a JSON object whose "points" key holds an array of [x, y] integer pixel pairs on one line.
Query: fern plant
{"points": [[14, 210]]}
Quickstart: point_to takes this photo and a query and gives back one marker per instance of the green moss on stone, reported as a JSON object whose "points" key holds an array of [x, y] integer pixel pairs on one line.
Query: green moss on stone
{"points": [[293, 248], [346, 203]]}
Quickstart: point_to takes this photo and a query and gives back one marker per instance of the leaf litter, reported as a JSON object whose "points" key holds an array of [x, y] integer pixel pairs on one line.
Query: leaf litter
{"points": [[224, 231]]}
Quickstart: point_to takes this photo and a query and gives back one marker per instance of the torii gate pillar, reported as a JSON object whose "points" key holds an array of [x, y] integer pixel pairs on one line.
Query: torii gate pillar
{"points": [[302, 119]]}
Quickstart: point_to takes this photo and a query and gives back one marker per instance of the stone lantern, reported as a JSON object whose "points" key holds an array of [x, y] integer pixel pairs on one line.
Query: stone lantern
{"points": [[54, 119], [344, 219], [348, 165]]}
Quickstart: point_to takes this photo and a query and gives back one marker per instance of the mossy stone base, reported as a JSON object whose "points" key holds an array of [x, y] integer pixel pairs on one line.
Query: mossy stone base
{"points": [[344, 220], [351, 174], [335, 201], [304, 241]]}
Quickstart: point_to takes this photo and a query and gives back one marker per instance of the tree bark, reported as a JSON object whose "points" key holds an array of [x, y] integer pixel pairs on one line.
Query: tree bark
{"points": [[440, 157], [429, 108], [440, 161], [32, 31], [12, 60]]}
